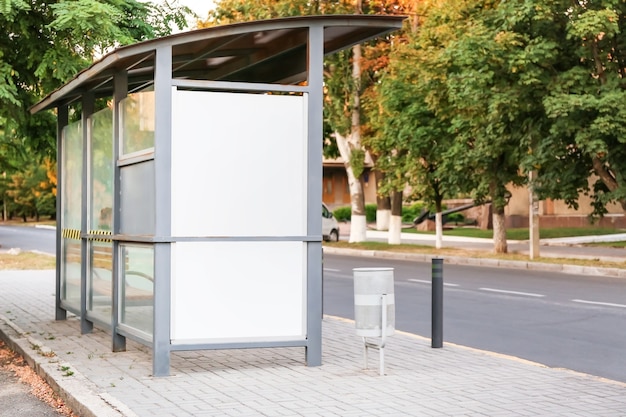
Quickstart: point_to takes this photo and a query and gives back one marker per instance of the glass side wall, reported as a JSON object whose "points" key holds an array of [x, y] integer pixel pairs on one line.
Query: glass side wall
{"points": [[100, 276], [138, 113], [137, 287], [72, 165]]}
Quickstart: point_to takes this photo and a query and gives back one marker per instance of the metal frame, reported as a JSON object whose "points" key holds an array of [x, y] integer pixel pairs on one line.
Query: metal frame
{"points": [[111, 77], [118, 341], [86, 326], [62, 121]]}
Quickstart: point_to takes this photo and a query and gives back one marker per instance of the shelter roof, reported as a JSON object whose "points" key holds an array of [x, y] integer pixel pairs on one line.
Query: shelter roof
{"points": [[265, 51]]}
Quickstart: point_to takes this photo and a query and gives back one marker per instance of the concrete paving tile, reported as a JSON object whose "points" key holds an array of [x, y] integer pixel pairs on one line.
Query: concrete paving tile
{"points": [[420, 381]]}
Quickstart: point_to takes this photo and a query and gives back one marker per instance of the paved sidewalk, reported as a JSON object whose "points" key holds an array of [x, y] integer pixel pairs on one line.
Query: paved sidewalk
{"points": [[419, 380]]}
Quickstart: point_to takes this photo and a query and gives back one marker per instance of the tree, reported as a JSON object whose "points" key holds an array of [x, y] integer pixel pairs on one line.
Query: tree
{"points": [[44, 43], [357, 102], [585, 106], [411, 136], [33, 190], [483, 69]]}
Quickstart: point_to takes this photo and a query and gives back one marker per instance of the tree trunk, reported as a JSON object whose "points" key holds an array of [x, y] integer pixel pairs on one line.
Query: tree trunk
{"points": [[358, 225], [438, 225], [383, 209], [499, 231], [346, 144], [395, 225], [438, 230], [383, 202], [607, 177]]}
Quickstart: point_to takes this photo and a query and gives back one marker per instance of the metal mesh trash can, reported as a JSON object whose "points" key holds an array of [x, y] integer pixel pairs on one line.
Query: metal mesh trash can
{"points": [[369, 285]]}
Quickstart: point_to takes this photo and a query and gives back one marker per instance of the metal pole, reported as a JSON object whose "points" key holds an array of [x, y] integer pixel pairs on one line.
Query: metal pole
{"points": [[533, 217], [437, 303]]}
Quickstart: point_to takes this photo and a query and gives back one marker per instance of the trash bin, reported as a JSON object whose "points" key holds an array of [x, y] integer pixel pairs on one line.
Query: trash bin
{"points": [[370, 284]]}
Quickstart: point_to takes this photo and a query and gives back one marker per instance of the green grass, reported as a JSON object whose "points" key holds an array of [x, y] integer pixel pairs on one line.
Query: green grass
{"points": [[522, 233], [619, 245], [471, 253]]}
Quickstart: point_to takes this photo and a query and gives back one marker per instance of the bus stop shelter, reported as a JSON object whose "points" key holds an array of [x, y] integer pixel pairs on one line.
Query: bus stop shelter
{"points": [[190, 185]]}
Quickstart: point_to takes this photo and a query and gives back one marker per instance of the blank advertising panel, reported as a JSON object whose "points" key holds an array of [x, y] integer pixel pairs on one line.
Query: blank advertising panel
{"points": [[238, 291], [239, 164]]}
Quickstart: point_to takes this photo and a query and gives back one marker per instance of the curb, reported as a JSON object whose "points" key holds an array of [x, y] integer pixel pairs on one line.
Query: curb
{"points": [[78, 392], [488, 262]]}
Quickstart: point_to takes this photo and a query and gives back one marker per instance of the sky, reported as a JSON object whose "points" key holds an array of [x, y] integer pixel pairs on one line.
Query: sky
{"points": [[201, 7]]}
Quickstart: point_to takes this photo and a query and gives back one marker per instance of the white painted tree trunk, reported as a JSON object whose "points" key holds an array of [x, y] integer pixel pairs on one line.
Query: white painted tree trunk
{"points": [[382, 219], [395, 230], [358, 229], [438, 230], [346, 144], [357, 199], [499, 233]]}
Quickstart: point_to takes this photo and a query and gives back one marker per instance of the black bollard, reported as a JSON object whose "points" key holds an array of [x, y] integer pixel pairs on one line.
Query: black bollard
{"points": [[437, 303]]}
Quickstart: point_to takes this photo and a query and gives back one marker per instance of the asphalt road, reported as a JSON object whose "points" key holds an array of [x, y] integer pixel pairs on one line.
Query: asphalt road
{"points": [[16, 400], [560, 320], [28, 238]]}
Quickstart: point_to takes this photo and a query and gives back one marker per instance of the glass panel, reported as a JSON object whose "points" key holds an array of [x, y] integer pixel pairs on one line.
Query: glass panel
{"points": [[138, 199], [102, 170], [137, 287], [100, 288], [72, 175], [100, 293], [138, 114], [72, 165], [70, 273]]}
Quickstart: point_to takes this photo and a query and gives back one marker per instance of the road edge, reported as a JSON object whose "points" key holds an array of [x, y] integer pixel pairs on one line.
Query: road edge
{"points": [[486, 262]]}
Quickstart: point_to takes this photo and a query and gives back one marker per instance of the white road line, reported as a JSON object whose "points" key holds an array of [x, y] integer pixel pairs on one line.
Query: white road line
{"points": [[600, 303], [527, 294], [424, 281], [332, 270]]}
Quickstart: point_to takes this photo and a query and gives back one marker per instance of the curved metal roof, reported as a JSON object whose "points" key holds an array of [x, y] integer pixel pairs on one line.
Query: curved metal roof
{"points": [[265, 51]]}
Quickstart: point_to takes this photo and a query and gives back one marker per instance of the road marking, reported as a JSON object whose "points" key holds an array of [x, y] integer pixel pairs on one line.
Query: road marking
{"points": [[600, 303], [332, 270], [424, 281], [527, 294]]}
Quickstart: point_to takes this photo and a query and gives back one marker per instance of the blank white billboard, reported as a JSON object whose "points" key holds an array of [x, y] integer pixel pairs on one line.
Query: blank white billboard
{"points": [[238, 291], [239, 164]]}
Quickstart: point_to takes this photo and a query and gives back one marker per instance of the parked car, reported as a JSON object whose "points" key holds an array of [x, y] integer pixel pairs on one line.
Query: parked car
{"points": [[330, 226]]}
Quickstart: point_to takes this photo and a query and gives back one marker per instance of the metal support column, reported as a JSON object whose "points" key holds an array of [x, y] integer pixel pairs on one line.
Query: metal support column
{"points": [[120, 91], [314, 196], [62, 121], [88, 102], [163, 210]]}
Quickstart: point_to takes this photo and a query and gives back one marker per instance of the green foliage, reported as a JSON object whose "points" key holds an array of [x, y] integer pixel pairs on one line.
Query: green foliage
{"points": [[522, 233], [485, 88], [47, 42], [343, 214], [409, 213], [357, 161], [31, 191], [370, 213], [455, 218], [584, 105]]}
